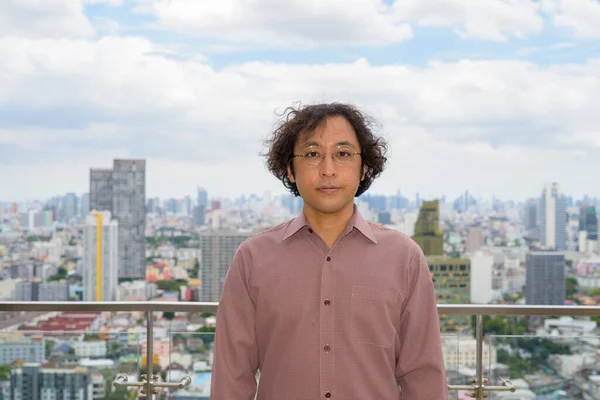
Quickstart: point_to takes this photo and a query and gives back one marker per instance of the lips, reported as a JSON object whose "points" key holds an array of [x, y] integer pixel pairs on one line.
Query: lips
{"points": [[328, 189]]}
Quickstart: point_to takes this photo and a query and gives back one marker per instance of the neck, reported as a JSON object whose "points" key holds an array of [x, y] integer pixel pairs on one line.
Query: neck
{"points": [[329, 226]]}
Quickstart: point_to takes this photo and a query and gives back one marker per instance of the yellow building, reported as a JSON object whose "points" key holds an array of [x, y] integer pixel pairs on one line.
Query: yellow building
{"points": [[452, 281], [427, 229]]}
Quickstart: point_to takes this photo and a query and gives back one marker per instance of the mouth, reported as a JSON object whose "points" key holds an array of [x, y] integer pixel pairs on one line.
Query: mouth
{"points": [[328, 189]]}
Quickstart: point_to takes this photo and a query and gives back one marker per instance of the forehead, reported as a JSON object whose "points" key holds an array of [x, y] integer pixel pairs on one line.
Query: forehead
{"points": [[332, 132]]}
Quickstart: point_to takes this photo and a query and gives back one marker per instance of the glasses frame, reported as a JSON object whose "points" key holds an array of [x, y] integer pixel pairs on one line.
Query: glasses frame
{"points": [[320, 159]]}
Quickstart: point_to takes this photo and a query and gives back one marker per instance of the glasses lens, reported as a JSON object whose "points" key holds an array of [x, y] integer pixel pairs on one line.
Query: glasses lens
{"points": [[312, 157], [343, 156]]}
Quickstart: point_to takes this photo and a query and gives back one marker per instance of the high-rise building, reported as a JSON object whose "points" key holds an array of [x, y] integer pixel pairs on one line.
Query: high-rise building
{"points": [[482, 265], [100, 272], [217, 249], [553, 218], [545, 278], [475, 239], [452, 281], [588, 222], [202, 199], [85, 205], [70, 205], [427, 229], [33, 382], [122, 191]]}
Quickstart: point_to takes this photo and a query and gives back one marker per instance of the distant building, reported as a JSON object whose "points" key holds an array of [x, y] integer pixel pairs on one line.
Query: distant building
{"points": [[482, 266], [475, 239], [545, 282], [452, 281], [30, 349], [122, 191], [42, 291], [101, 263], [32, 382], [218, 249], [427, 229], [553, 218]]}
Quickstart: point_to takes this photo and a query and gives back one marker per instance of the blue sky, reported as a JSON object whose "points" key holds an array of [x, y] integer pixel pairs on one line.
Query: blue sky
{"points": [[472, 91]]}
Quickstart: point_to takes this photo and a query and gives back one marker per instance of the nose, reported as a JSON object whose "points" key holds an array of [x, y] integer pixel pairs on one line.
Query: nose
{"points": [[328, 166]]}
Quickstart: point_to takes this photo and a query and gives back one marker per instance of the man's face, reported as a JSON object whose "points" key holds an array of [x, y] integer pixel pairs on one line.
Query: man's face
{"points": [[328, 187]]}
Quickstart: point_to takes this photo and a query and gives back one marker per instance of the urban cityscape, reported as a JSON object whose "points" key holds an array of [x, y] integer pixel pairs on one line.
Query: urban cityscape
{"points": [[115, 244], [132, 143]]}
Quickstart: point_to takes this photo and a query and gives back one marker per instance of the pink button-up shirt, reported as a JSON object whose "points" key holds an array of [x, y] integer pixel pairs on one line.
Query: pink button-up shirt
{"points": [[351, 322]]}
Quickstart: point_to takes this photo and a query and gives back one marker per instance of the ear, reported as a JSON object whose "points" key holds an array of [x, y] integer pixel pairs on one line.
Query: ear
{"points": [[290, 174]]}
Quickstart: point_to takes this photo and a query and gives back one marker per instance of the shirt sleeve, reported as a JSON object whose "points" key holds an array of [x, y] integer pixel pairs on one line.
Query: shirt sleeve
{"points": [[420, 367], [235, 359]]}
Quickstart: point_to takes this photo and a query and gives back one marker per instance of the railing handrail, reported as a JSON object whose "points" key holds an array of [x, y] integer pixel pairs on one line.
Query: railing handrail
{"points": [[211, 307]]}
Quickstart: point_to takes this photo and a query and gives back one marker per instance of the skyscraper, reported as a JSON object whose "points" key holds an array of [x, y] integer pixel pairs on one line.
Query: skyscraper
{"points": [[70, 205], [553, 218], [427, 229], [122, 191], [218, 249], [452, 282], [545, 281], [588, 222], [100, 272]]}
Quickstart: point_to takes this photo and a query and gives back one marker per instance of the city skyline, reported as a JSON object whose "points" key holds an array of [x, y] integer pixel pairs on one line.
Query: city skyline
{"points": [[466, 100]]}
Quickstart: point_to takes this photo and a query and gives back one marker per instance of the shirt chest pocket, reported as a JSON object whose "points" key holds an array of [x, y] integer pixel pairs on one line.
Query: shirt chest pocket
{"points": [[374, 313]]}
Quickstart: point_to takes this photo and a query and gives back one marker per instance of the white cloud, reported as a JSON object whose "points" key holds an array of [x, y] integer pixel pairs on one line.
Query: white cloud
{"points": [[491, 19], [291, 22], [67, 105], [582, 17], [44, 18], [315, 22]]}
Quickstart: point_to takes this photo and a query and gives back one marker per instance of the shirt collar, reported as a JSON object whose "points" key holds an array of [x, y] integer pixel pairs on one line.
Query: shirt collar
{"points": [[357, 221]]}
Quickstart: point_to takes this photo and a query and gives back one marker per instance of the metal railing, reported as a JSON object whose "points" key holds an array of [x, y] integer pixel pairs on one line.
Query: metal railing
{"points": [[148, 382]]}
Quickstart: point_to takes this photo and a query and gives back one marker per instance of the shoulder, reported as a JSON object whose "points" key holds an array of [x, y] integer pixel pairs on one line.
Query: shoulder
{"points": [[394, 240], [262, 242]]}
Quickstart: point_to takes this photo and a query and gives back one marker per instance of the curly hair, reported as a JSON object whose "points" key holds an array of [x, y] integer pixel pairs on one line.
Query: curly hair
{"points": [[297, 122]]}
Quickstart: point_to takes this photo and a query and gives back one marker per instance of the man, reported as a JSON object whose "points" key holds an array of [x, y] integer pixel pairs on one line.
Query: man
{"points": [[328, 305]]}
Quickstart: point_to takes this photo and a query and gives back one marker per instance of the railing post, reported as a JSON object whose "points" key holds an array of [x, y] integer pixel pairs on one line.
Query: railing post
{"points": [[479, 357], [149, 354]]}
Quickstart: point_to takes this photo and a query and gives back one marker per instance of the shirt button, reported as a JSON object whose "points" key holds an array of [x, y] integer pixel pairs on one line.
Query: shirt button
{"points": [[328, 395], [328, 258], [310, 230], [327, 302], [327, 348]]}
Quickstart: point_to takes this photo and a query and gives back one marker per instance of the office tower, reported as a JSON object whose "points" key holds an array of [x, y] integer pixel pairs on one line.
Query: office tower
{"points": [[482, 265], [452, 281], [474, 239], [384, 218], [217, 249], [31, 381], [84, 210], [199, 212], [70, 205], [100, 272], [553, 218], [427, 229], [545, 278], [588, 230], [122, 191]]}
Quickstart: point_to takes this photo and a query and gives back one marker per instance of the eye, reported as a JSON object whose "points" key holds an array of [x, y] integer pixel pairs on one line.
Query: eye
{"points": [[312, 154], [344, 154]]}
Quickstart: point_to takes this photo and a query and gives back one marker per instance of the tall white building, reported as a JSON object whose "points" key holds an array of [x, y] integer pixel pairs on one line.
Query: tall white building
{"points": [[100, 272], [481, 278], [553, 218]]}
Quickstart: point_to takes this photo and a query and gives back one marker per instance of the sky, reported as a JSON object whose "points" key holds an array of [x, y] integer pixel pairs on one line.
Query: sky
{"points": [[496, 97]]}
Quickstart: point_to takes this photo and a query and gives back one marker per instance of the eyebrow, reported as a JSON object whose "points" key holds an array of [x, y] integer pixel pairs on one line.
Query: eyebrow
{"points": [[342, 143]]}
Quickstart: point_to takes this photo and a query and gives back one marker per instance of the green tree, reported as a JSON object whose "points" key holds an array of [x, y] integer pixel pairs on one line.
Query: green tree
{"points": [[5, 372], [169, 315], [571, 287], [206, 337]]}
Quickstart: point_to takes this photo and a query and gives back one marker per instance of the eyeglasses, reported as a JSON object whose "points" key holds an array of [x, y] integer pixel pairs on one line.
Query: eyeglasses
{"points": [[314, 157]]}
